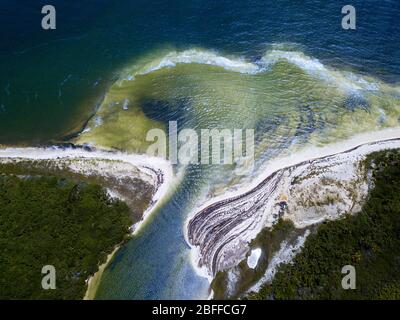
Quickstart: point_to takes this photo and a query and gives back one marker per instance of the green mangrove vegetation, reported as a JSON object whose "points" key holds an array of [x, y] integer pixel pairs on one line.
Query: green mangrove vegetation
{"points": [[54, 221], [269, 239], [369, 240]]}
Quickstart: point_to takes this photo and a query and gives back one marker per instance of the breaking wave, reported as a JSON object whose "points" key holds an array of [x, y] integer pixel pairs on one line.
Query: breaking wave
{"points": [[344, 80]]}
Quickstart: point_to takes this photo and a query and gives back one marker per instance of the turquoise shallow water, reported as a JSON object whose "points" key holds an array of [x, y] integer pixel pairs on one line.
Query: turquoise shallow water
{"points": [[51, 82], [155, 264]]}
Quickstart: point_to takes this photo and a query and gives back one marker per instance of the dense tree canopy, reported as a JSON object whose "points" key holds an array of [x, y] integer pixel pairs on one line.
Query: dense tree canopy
{"points": [[53, 221], [370, 241]]}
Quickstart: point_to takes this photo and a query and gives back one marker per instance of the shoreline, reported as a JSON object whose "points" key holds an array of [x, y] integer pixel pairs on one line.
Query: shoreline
{"points": [[166, 178], [374, 141], [161, 170], [94, 280]]}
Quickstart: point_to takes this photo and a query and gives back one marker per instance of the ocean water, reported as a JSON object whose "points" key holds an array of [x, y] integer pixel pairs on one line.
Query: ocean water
{"points": [[286, 69]]}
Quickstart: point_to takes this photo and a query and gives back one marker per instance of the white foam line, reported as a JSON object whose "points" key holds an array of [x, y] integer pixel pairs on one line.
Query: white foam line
{"points": [[346, 81], [145, 163], [206, 57]]}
